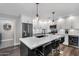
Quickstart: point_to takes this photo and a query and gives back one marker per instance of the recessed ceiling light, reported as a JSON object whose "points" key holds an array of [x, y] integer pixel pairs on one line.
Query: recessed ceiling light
{"points": [[60, 19], [71, 17]]}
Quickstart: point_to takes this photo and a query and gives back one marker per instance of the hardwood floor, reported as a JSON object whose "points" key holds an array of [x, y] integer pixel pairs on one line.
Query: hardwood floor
{"points": [[65, 51], [70, 51], [11, 51]]}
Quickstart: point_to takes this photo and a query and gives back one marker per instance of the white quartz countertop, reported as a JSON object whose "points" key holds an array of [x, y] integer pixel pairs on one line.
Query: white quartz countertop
{"points": [[33, 42]]}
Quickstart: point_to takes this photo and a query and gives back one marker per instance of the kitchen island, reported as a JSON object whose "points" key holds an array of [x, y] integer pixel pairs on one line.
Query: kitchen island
{"points": [[29, 45]]}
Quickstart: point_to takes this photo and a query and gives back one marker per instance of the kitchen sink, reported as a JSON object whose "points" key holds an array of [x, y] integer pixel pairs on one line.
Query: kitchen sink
{"points": [[40, 36]]}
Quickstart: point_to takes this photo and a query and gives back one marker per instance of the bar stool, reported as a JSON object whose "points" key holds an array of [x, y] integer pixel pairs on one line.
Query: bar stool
{"points": [[42, 50], [62, 40], [61, 47], [55, 45]]}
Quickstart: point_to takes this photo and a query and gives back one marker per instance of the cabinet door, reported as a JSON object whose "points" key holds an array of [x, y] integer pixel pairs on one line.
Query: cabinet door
{"points": [[73, 40]]}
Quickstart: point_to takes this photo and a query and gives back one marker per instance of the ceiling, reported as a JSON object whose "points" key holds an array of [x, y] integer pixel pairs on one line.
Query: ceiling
{"points": [[45, 9]]}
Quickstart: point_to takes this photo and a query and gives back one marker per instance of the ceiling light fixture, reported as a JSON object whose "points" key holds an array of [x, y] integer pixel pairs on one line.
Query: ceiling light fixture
{"points": [[71, 18], [53, 27], [53, 13], [36, 19], [37, 14], [60, 20]]}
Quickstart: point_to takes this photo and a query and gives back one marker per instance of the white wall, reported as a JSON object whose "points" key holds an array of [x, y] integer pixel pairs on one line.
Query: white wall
{"points": [[15, 21], [11, 38], [8, 37]]}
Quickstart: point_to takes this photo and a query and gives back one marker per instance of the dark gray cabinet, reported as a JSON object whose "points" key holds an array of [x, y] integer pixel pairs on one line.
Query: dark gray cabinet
{"points": [[25, 51], [45, 49], [39, 51]]}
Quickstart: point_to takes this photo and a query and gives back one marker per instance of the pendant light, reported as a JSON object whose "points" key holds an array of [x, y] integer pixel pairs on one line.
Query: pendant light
{"points": [[71, 27], [53, 27], [37, 15], [53, 13], [53, 21], [36, 19], [36, 22]]}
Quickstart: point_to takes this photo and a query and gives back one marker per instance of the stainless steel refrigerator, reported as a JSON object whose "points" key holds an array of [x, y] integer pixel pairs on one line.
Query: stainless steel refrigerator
{"points": [[27, 30]]}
